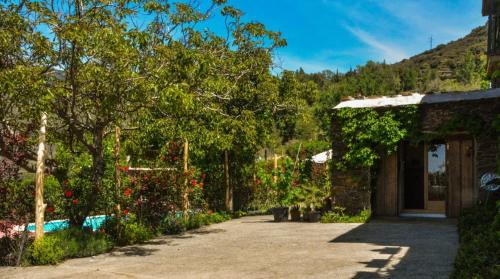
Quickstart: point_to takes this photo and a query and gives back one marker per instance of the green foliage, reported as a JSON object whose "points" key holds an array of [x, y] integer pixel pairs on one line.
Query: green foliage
{"points": [[479, 230], [72, 243], [337, 215], [307, 149], [284, 182], [473, 124], [47, 250], [78, 243], [127, 231], [264, 196], [178, 224], [471, 69], [238, 214], [368, 134]]}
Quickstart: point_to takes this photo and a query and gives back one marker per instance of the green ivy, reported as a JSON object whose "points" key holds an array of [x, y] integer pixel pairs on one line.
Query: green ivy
{"points": [[368, 134], [470, 123]]}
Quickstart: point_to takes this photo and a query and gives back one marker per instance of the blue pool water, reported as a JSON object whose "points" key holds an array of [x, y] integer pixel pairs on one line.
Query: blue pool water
{"points": [[94, 222]]}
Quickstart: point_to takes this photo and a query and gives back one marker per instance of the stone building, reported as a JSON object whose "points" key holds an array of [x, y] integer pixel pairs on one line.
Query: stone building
{"points": [[437, 178]]}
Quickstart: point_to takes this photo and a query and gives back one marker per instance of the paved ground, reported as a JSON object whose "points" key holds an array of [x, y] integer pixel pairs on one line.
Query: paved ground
{"points": [[255, 247]]}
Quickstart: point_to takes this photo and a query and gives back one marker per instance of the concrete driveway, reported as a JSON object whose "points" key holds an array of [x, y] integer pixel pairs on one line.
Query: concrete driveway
{"points": [[255, 247]]}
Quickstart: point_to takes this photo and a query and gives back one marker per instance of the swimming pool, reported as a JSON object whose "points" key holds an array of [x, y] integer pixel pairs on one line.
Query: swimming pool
{"points": [[94, 222]]}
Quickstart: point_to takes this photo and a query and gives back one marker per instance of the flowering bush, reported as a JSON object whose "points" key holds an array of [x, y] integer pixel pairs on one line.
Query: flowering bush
{"points": [[152, 195]]}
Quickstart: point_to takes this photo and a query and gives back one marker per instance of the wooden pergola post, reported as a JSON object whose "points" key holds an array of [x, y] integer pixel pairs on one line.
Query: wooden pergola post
{"points": [[275, 168], [117, 170], [40, 170], [229, 189], [185, 202]]}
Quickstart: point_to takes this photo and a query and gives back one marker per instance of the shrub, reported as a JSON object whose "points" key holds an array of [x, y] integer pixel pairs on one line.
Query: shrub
{"points": [[134, 232], [127, 231], [337, 215], [175, 225], [239, 214], [478, 255], [47, 250], [80, 243]]}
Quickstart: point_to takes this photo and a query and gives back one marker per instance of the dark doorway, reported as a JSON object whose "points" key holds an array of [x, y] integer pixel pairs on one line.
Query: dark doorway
{"points": [[413, 176]]}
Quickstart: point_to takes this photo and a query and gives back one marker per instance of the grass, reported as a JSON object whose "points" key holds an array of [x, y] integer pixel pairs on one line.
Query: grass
{"points": [[338, 216]]}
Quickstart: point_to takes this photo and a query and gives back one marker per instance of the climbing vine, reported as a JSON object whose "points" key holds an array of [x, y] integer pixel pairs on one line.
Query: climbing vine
{"points": [[368, 134]]}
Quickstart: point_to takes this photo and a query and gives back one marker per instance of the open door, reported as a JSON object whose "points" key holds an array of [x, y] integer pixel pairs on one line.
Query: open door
{"points": [[425, 178]]}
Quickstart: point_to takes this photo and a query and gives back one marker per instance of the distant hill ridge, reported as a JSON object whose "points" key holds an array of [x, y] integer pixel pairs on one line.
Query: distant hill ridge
{"points": [[445, 58]]}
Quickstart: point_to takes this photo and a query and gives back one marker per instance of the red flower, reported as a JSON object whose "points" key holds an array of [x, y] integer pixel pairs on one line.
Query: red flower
{"points": [[174, 158], [127, 192], [75, 202], [124, 168], [68, 194], [193, 182], [125, 211], [50, 209]]}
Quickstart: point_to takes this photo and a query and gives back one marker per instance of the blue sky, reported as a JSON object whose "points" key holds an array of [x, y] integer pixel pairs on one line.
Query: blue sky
{"points": [[339, 34]]}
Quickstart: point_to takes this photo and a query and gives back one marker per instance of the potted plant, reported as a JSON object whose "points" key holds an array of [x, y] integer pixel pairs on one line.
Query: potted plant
{"points": [[295, 213], [282, 188], [296, 199], [314, 196]]}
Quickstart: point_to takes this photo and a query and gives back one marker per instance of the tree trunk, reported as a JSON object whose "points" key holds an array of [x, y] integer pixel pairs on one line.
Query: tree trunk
{"points": [[229, 189], [98, 165], [117, 172], [40, 169]]}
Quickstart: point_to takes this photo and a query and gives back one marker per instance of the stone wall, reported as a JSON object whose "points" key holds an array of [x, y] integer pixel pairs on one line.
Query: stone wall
{"points": [[350, 188], [486, 145]]}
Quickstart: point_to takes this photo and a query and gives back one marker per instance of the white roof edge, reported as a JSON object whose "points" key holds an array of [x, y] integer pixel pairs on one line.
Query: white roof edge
{"points": [[417, 98]]}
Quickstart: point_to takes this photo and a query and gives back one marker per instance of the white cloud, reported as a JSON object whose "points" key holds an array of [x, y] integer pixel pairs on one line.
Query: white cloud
{"points": [[426, 16], [385, 50]]}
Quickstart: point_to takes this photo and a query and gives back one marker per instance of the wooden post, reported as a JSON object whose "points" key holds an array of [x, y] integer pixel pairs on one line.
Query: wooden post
{"points": [[185, 202], [117, 171], [275, 168], [229, 189], [40, 170]]}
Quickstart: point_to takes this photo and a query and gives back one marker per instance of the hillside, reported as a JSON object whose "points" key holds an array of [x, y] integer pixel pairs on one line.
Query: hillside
{"points": [[445, 58]]}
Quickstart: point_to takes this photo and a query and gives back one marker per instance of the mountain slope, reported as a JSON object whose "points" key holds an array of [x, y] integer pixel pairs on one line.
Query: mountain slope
{"points": [[445, 58]]}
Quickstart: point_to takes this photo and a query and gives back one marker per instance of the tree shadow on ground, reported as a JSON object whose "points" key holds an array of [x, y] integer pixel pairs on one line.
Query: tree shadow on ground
{"points": [[131, 251], [410, 248], [206, 231]]}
